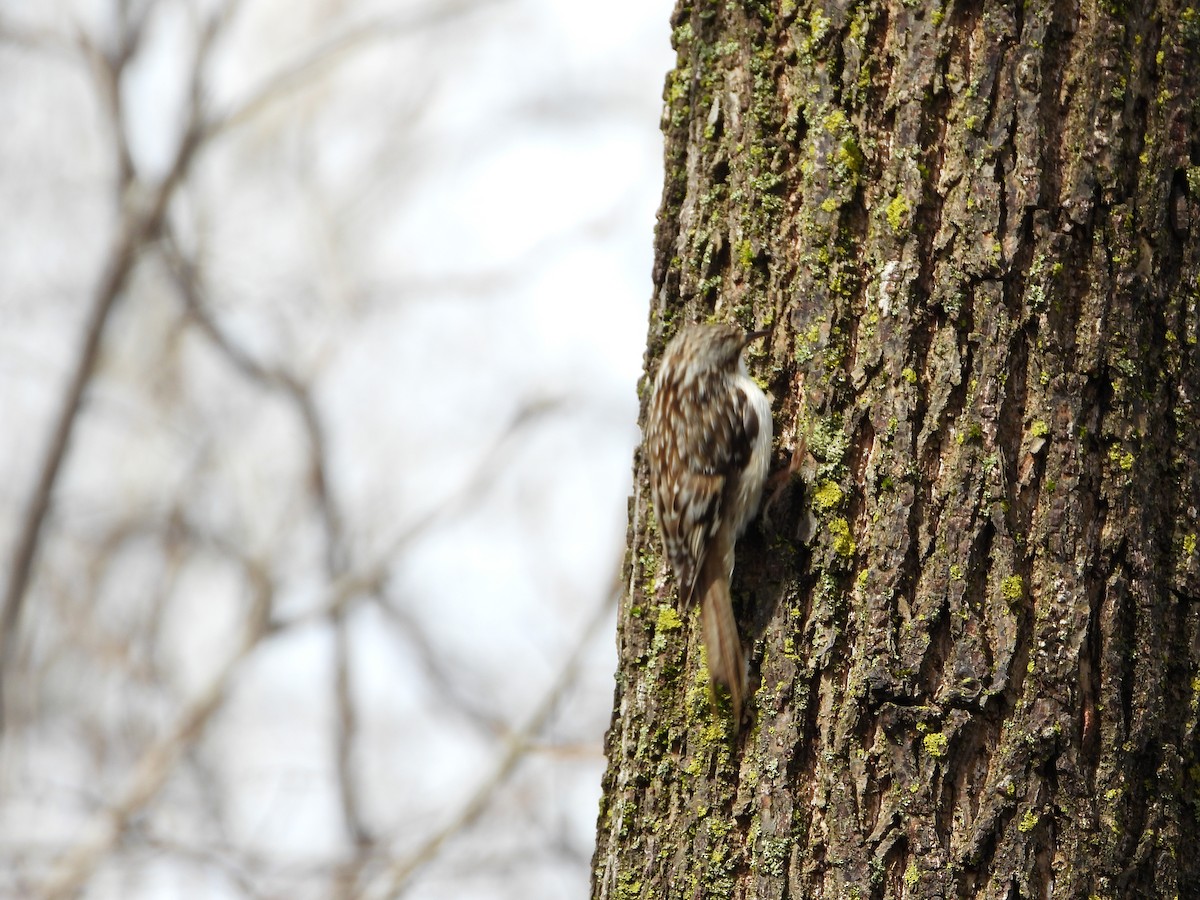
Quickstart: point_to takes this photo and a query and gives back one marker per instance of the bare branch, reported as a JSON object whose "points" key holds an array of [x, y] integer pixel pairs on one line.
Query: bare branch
{"points": [[187, 277], [397, 879], [141, 221], [347, 731], [107, 69], [109, 617], [439, 674], [157, 764]]}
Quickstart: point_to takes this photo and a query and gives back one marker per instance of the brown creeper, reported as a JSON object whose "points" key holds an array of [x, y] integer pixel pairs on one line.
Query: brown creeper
{"points": [[708, 438]]}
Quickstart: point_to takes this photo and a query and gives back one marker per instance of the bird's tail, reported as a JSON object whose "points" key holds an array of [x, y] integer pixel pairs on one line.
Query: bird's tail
{"points": [[726, 659]]}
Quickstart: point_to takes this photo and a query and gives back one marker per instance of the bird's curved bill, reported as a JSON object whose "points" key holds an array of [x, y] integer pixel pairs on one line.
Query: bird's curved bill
{"points": [[752, 336]]}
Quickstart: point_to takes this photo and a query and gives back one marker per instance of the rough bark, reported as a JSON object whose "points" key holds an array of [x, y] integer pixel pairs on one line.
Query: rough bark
{"points": [[974, 634]]}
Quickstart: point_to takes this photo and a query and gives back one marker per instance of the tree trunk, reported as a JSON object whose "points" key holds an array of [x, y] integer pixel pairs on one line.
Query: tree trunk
{"points": [[974, 632]]}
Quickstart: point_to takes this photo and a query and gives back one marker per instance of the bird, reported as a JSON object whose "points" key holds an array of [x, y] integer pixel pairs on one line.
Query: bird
{"points": [[708, 441]]}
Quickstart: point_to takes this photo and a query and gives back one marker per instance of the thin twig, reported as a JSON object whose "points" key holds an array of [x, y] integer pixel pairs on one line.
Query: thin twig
{"points": [[440, 671], [344, 772]]}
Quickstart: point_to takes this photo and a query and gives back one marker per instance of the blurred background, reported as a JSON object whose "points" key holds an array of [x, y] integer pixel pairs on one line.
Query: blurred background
{"points": [[320, 327]]}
